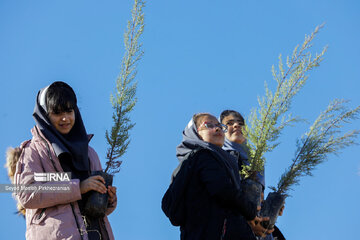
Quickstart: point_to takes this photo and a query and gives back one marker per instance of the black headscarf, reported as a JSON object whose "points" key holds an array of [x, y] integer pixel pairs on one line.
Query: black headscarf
{"points": [[72, 148]]}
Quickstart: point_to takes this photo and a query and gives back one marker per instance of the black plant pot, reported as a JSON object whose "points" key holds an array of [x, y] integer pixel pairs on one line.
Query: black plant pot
{"points": [[97, 203], [271, 207], [252, 190]]}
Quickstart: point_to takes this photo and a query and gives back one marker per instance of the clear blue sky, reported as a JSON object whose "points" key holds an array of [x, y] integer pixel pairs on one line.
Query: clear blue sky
{"points": [[199, 56]]}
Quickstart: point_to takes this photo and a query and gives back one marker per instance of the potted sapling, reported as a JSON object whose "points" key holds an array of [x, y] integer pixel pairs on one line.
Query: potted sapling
{"points": [[324, 137], [123, 102], [266, 122]]}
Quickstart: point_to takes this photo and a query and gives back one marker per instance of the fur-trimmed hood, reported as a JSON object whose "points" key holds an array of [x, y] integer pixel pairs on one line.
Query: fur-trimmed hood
{"points": [[12, 157]]}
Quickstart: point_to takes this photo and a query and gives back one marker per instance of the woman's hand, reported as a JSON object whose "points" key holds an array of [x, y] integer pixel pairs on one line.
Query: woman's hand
{"points": [[112, 195], [96, 183], [258, 229]]}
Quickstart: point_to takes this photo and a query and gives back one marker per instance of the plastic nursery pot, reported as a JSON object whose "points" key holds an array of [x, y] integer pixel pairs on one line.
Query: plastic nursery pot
{"points": [[97, 203], [252, 190], [271, 207]]}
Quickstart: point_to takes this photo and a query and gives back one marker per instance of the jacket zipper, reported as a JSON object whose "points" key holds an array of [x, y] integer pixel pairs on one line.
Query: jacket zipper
{"points": [[72, 207], [224, 230], [77, 224]]}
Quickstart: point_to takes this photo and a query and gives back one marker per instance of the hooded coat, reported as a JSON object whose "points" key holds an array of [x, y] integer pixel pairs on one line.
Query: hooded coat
{"points": [[51, 215], [58, 214], [214, 193]]}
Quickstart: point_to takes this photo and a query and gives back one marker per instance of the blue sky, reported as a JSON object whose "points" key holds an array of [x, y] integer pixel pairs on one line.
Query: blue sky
{"points": [[200, 56]]}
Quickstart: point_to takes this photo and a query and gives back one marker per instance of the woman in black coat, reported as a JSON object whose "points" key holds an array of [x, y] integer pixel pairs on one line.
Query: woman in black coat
{"points": [[213, 195]]}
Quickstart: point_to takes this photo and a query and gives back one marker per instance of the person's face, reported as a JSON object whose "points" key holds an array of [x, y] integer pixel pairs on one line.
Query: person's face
{"points": [[234, 132], [213, 135], [63, 121]]}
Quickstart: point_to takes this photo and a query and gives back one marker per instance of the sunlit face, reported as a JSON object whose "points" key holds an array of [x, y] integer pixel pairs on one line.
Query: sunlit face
{"points": [[212, 135], [234, 132], [63, 121]]}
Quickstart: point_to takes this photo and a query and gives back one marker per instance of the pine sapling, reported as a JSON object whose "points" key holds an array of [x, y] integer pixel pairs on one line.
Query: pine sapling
{"points": [[265, 123], [124, 98], [325, 136]]}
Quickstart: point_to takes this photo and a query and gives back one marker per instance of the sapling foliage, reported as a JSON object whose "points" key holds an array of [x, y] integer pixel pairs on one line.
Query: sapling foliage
{"points": [[325, 136], [265, 123], [124, 98]]}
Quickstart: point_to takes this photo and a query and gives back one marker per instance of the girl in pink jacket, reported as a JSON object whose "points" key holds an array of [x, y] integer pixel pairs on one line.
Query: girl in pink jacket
{"points": [[60, 144]]}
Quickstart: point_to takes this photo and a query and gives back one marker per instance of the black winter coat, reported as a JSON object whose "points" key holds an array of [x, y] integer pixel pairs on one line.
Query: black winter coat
{"points": [[211, 199], [237, 226]]}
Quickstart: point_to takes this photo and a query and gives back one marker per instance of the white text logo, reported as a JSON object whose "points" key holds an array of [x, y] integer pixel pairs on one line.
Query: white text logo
{"points": [[52, 177]]}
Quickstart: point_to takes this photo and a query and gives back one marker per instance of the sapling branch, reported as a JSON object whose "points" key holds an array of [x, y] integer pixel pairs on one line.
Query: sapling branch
{"points": [[324, 137]]}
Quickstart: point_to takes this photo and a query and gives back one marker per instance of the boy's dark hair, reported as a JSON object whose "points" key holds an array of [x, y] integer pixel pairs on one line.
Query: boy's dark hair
{"points": [[226, 113], [60, 97]]}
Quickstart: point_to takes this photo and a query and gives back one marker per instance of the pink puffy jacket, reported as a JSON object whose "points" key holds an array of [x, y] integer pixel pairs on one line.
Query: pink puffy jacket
{"points": [[51, 215]]}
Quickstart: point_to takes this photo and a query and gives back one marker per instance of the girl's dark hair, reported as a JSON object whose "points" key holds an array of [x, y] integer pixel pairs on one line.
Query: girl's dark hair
{"points": [[60, 97], [231, 112]]}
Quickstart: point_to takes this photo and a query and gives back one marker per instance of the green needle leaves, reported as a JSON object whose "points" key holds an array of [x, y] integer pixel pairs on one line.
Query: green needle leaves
{"points": [[124, 98], [266, 122]]}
